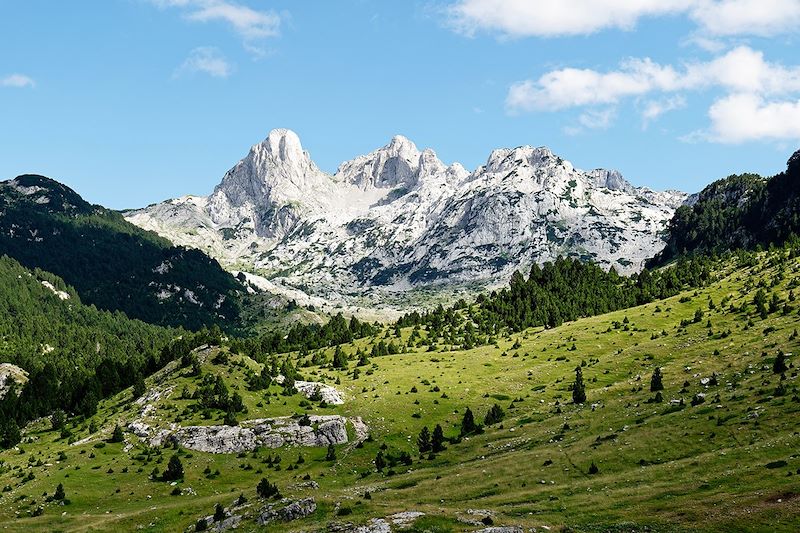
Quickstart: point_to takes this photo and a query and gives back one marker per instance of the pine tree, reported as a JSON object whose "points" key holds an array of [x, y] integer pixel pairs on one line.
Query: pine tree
{"points": [[267, 490], [424, 440], [468, 425], [578, 388], [58, 419], [139, 387], [655, 381], [380, 462], [219, 513], [117, 435], [437, 440], [174, 470], [779, 366], [494, 415], [59, 494], [339, 358], [230, 418], [331, 455]]}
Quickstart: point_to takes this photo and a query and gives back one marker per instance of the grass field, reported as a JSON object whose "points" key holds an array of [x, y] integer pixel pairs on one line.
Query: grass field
{"points": [[728, 463]]}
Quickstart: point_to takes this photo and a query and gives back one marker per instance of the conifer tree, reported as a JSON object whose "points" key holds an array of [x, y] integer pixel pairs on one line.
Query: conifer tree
{"points": [[437, 440], [339, 358], [494, 415], [380, 462], [59, 494], [655, 381], [779, 366], [578, 388], [174, 470], [117, 435], [424, 440], [468, 425], [331, 455]]}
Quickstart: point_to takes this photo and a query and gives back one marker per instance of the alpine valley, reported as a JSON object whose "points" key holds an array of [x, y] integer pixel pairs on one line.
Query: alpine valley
{"points": [[397, 228], [547, 349]]}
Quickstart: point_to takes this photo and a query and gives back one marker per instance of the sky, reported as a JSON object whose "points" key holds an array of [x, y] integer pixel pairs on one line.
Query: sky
{"points": [[131, 102]]}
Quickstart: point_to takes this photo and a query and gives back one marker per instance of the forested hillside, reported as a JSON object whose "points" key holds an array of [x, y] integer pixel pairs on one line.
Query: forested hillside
{"points": [[110, 262], [562, 291], [72, 355], [740, 211]]}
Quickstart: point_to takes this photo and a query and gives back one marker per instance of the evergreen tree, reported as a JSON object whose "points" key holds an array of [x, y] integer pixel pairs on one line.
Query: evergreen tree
{"points": [[57, 419], [380, 462], [424, 440], [779, 366], [174, 470], [331, 455], [578, 388], [139, 387], [494, 415], [10, 434], [437, 440], [236, 403], [230, 418], [219, 513], [117, 435], [339, 358], [267, 490], [655, 381], [59, 494], [468, 425]]}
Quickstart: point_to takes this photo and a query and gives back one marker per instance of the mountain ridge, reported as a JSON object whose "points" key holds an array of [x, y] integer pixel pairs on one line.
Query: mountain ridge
{"points": [[113, 264], [398, 221]]}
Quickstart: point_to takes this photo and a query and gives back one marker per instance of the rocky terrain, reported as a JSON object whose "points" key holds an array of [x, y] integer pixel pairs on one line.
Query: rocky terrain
{"points": [[397, 226]]}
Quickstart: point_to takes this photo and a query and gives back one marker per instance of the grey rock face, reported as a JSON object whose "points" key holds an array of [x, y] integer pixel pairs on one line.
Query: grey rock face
{"points": [[326, 393], [270, 433], [398, 219], [292, 511]]}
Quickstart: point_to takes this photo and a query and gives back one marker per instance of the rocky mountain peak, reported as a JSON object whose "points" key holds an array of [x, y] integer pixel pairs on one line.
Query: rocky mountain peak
{"points": [[398, 218], [504, 158], [390, 166], [283, 145]]}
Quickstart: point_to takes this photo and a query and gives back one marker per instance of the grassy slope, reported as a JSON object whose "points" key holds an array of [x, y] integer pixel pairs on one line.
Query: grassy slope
{"points": [[697, 468]]}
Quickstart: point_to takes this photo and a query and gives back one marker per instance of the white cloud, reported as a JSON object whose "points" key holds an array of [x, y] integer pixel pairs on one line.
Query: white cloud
{"points": [[653, 109], [745, 117], [747, 17], [597, 119], [205, 59], [18, 81], [593, 119], [740, 70], [250, 23], [549, 18]]}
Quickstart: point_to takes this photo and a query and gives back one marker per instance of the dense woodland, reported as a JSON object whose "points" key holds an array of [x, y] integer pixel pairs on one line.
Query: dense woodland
{"points": [[741, 211], [558, 292], [304, 337], [74, 354], [110, 262]]}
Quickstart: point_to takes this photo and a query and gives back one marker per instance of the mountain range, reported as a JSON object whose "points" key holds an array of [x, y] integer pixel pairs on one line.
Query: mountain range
{"points": [[397, 226]]}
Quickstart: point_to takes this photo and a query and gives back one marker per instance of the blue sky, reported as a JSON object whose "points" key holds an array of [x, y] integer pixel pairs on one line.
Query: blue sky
{"points": [[134, 101]]}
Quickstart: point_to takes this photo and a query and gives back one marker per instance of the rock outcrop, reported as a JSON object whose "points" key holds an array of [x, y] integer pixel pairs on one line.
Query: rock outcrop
{"points": [[314, 390], [251, 434], [294, 510]]}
